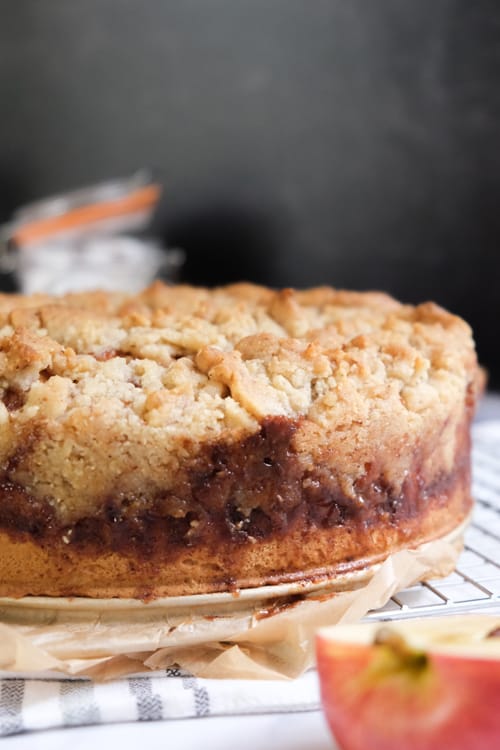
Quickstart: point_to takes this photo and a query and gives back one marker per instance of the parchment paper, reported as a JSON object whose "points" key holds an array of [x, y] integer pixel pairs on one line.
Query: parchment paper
{"points": [[271, 638]]}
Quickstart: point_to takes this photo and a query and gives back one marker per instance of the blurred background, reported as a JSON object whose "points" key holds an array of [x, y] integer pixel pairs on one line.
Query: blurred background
{"points": [[300, 142]]}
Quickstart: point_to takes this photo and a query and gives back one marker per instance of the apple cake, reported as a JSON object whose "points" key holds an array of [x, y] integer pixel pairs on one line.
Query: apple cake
{"points": [[185, 440]]}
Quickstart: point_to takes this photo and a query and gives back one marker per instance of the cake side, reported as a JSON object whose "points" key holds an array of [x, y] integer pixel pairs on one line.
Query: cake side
{"points": [[274, 524], [186, 440]]}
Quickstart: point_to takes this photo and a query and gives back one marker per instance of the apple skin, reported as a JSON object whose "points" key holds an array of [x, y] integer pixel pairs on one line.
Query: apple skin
{"points": [[376, 699]]}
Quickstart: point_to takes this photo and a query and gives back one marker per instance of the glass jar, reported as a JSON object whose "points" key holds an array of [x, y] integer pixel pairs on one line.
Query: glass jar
{"points": [[98, 237]]}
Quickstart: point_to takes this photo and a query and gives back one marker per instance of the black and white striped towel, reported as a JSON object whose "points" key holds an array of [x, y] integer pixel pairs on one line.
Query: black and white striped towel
{"points": [[28, 705]]}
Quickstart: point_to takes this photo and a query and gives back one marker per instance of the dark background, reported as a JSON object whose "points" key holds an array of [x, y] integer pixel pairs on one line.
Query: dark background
{"points": [[349, 142]]}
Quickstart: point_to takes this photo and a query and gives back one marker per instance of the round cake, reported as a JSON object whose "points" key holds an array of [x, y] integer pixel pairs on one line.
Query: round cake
{"points": [[185, 440]]}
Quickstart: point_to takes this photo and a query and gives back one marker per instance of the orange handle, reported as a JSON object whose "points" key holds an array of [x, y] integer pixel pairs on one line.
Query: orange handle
{"points": [[140, 199]]}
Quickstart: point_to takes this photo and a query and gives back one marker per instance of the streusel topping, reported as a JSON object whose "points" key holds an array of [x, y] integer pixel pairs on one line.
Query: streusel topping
{"points": [[106, 391]]}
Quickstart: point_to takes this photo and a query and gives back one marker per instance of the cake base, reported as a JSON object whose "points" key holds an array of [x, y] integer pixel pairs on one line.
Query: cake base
{"points": [[270, 598], [306, 554]]}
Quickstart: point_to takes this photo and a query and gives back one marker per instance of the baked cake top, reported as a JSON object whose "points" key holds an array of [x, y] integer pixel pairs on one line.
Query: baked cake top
{"points": [[100, 386]]}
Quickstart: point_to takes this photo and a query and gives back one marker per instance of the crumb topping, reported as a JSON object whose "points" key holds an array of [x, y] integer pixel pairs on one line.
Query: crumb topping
{"points": [[106, 391]]}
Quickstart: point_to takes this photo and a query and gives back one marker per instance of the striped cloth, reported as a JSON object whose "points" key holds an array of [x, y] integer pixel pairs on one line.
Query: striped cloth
{"points": [[29, 704]]}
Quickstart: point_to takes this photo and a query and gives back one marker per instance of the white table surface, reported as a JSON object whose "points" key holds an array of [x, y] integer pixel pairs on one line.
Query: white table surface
{"points": [[264, 732], [269, 732]]}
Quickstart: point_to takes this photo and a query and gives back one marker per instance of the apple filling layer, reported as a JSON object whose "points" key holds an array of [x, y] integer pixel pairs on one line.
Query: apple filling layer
{"points": [[243, 515]]}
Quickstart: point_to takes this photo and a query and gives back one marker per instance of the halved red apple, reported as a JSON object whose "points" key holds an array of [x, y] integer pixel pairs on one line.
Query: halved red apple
{"points": [[430, 684]]}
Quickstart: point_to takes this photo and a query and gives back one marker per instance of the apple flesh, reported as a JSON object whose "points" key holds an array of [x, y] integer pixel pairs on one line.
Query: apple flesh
{"points": [[430, 684]]}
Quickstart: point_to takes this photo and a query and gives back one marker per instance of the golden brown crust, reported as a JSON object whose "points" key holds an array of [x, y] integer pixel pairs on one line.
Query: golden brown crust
{"points": [[228, 418]]}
